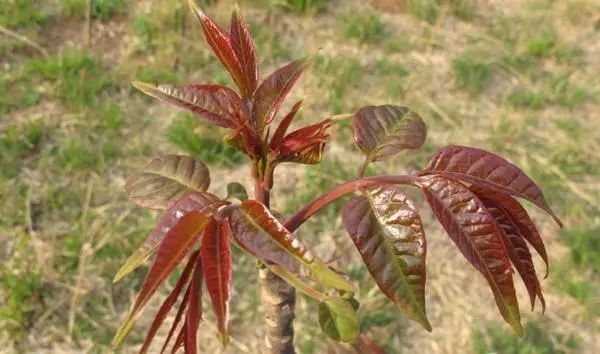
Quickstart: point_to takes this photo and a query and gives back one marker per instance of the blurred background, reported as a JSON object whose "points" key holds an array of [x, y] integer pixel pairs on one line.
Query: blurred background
{"points": [[520, 78]]}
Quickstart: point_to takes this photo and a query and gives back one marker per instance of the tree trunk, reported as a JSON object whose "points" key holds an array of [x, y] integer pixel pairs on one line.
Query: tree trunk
{"points": [[277, 296], [278, 299]]}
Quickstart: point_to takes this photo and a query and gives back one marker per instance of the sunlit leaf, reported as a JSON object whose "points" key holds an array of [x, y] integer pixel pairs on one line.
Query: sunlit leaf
{"points": [[386, 228], [218, 39], [165, 180], [518, 216], [271, 93], [477, 236], [236, 190], [518, 251], [305, 145], [256, 230], [243, 47], [190, 202], [164, 309], [216, 261], [383, 131], [173, 248], [194, 311], [487, 170], [297, 282], [218, 104], [338, 319]]}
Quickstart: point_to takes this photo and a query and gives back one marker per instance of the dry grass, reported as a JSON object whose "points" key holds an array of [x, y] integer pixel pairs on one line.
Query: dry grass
{"points": [[65, 224]]}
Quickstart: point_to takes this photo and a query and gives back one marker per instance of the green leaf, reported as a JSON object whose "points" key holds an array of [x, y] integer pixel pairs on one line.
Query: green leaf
{"points": [[165, 180], [386, 228], [337, 318], [236, 190]]}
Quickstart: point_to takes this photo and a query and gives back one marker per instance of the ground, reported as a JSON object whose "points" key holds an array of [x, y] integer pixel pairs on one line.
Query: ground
{"points": [[520, 78]]}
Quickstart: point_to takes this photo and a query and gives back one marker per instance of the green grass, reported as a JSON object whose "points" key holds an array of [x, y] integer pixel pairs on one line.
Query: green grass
{"points": [[537, 340], [21, 13], [430, 10], [471, 72], [76, 78], [207, 146], [101, 9], [542, 43], [16, 143], [299, 6], [338, 77], [366, 27]]}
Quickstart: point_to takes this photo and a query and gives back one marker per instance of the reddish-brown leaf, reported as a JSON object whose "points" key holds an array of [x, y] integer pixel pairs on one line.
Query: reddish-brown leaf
{"points": [[194, 311], [518, 252], [257, 231], [488, 170], [204, 202], [218, 104], [164, 309], [220, 43], [271, 93], [216, 261], [283, 127], [477, 236], [386, 228], [243, 47], [518, 215], [178, 317], [383, 131], [173, 248], [305, 145], [165, 180]]}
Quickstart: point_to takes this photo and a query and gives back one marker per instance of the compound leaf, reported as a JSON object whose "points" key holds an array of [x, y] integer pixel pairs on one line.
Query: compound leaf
{"points": [[193, 201], [165, 180], [305, 145], [487, 170], [173, 248], [193, 315], [518, 252], [518, 216], [386, 228], [164, 309], [476, 234], [383, 131]]}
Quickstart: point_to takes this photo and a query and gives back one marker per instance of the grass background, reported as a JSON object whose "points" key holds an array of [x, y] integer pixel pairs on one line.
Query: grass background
{"points": [[520, 78]]}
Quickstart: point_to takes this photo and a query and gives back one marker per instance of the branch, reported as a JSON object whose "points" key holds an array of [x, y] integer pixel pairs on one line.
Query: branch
{"points": [[21, 38], [343, 189]]}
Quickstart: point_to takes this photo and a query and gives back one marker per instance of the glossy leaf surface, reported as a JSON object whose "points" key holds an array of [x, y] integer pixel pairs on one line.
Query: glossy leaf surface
{"points": [[166, 179], [243, 47], [477, 236], [218, 104], [518, 252], [387, 231], [518, 216], [217, 264], [259, 232], [173, 248], [193, 201], [166, 306], [383, 131], [338, 319], [271, 93], [219, 40], [305, 145], [488, 170]]}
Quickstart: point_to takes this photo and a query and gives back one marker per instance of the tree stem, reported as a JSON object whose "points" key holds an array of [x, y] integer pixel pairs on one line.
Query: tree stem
{"points": [[277, 296]]}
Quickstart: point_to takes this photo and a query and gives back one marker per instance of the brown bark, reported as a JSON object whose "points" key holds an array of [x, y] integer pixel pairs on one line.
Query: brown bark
{"points": [[278, 299]]}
